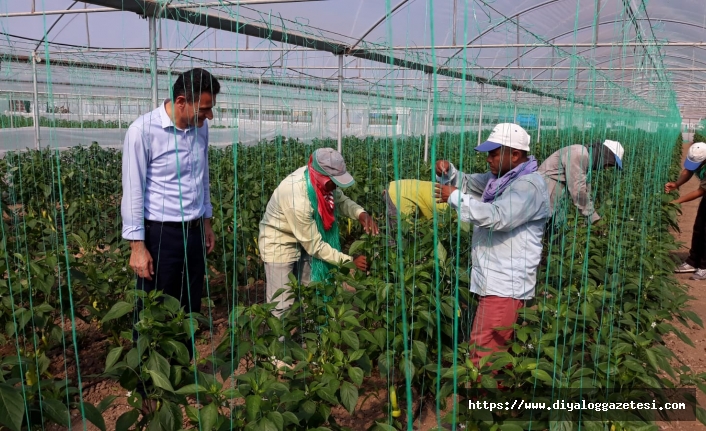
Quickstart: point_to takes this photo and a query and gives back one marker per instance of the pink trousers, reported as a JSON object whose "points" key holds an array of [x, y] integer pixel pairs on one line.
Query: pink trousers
{"points": [[493, 312]]}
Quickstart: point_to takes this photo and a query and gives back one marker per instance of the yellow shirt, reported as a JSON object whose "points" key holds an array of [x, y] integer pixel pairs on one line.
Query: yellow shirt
{"points": [[289, 221], [415, 194]]}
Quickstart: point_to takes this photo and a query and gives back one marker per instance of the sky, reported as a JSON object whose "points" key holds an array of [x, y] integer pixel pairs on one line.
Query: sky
{"points": [[347, 20]]}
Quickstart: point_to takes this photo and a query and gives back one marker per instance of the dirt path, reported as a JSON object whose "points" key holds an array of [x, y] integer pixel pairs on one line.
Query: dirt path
{"points": [[693, 357]]}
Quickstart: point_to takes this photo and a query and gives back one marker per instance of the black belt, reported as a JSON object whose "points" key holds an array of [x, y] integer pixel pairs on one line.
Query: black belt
{"points": [[175, 224]]}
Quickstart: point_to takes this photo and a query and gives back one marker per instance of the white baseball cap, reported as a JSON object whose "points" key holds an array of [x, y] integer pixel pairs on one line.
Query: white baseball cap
{"points": [[695, 157], [506, 135], [617, 149]]}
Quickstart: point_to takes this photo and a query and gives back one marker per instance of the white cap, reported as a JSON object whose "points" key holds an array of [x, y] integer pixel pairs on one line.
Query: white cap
{"points": [[506, 135], [695, 157], [617, 149]]}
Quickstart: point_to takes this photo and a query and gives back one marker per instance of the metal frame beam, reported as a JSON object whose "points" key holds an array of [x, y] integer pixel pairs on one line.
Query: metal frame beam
{"points": [[57, 12], [213, 19]]}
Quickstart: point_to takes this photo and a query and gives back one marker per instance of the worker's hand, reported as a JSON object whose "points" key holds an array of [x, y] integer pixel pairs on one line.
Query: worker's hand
{"points": [[368, 224], [141, 260], [210, 236], [442, 193], [670, 187], [442, 167], [361, 262]]}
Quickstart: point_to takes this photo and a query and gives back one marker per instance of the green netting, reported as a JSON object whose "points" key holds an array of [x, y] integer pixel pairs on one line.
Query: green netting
{"points": [[388, 349]]}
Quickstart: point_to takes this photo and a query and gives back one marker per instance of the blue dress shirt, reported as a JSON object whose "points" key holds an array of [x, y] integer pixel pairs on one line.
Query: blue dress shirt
{"points": [[165, 173]]}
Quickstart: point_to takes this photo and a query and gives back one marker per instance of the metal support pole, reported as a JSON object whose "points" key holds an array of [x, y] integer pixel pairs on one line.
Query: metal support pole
{"points": [[597, 19], [259, 109], [539, 121], [558, 110], [427, 122], [88, 32], [35, 109], [12, 111], [120, 120], [454, 22], [153, 58], [80, 110], [340, 102], [518, 41], [321, 114], [480, 114]]}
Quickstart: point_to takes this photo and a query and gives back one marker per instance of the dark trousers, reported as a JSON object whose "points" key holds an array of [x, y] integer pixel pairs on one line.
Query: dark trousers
{"points": [[697, 253], [178, 270]]}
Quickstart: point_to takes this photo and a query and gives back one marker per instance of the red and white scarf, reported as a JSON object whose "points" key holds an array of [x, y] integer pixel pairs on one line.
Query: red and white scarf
{"points": [[324, 198]]}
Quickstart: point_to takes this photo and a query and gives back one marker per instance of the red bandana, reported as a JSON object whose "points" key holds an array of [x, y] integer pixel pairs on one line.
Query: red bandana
{"points": [[324, 198]]}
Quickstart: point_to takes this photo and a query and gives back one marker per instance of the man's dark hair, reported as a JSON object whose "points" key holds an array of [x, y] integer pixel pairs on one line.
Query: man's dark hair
{"points": [[192, 83]]}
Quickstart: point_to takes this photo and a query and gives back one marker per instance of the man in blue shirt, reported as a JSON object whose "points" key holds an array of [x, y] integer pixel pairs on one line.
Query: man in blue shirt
{"points": [[166, 204], [509, 207]]}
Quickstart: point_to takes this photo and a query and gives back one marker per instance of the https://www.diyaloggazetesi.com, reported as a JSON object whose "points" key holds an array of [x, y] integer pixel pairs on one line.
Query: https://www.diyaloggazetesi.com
{"points": [[572, 406]]}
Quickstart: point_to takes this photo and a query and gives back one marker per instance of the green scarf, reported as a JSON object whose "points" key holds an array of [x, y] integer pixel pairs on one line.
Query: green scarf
{"points": [[701, 172], [319, 268]]}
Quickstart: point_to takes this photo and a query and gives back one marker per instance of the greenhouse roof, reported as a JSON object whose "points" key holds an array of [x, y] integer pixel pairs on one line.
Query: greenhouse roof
{"points": [[648, 57]]}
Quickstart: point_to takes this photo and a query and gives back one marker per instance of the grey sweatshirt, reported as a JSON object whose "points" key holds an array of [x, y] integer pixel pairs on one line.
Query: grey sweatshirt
{"points": [[567, 170]]}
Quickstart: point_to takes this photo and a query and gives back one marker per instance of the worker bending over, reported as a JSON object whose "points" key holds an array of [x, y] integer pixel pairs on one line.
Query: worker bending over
{"points": [[299, 231], [567, 172]]}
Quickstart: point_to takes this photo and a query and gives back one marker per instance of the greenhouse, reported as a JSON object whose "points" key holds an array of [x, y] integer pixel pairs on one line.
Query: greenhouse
{"points": [[354, 215]]}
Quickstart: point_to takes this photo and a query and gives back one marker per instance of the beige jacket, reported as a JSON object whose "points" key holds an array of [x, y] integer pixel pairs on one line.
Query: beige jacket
{"points": [[566, 171], [289, 222]]}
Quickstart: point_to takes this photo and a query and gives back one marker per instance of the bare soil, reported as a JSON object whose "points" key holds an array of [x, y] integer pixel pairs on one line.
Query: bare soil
{"points": [[693, 357]]}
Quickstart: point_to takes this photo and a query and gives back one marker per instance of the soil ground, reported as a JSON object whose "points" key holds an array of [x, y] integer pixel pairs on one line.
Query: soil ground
{"points": [[693, 357], [94, 344]]}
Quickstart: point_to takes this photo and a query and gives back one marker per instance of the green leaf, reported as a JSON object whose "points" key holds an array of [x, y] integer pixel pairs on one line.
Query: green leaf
{"points": [[542, 375], [94, 415], [12, 407], [356, 375], [383, 427], [113, 357], [356, 355], [252, 407], [209, 417], [180, 352], [308, 409], [171, 304], [701, 415], [56, 411], [160, 380], [191, 389], [106, 402], [351, 339], [266, 425], [357, 245], [326, 394], [349, 396], [275, 326], [419, 350], [277, 419], [126, 420], [441, 251], [192, 413], [510, 427], [159, 363], [290, 418], [119, 309]]}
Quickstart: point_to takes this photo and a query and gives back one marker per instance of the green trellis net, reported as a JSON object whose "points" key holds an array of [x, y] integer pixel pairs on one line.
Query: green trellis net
{"points": [[389, 348]]}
